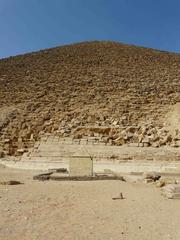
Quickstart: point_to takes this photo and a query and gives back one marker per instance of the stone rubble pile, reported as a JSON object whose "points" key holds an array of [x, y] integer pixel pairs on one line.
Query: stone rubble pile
{"points": [[151, 177], [163, 181], [172, 191], [144, 135]]}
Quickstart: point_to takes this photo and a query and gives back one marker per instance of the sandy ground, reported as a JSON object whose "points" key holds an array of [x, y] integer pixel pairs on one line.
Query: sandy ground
{"points": [[84, 210]]}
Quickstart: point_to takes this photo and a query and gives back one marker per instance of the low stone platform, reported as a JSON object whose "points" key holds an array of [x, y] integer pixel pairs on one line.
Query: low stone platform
{"points": [[42, 177], [129, 167], [53, 148], [53, 152]]}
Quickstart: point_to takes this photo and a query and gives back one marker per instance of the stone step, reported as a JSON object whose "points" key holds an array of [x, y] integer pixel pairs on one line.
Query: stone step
{"points": [[51, 154], [49, 147], [120, 166], [46, 147], [60, 159]]}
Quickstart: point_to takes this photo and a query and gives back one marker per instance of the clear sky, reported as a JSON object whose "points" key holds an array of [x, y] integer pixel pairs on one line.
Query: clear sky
{"points": [[29, 25]]}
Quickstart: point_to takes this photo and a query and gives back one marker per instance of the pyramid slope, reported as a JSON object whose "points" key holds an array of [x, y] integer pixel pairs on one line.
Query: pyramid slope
{"points": [[85, 84]]}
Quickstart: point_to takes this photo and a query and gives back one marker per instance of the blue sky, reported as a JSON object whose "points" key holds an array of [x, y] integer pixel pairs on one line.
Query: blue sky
{"points": [[30, 25]]}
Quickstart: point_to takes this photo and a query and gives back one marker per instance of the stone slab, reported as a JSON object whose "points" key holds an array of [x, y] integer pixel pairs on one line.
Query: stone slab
{"points": [[80, 166]]}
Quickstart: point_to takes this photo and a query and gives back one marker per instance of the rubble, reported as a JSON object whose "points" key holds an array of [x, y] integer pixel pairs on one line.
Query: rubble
{"points": [[144, 135], [151, 177], [11, 182], [172, 191], [165, 181]]}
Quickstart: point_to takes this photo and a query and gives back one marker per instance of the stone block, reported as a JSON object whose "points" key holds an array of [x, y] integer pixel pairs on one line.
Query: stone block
{"points": [[84, 141], [146, 144], [133, 144], [81, 166], [178, 143], [172, 191]]}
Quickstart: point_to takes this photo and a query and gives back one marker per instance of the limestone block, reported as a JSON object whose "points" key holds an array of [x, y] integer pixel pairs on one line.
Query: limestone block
{"points": [[145, 140], [178, 143], [151, 175], [1, 154], [155, 144], [165, 181], [146, 144], [81, 166], [133, 144], [172, 191], [84, 141]]}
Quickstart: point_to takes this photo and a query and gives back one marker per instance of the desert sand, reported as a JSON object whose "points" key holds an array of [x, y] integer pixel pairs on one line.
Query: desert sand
{"points": [[84, 210]]}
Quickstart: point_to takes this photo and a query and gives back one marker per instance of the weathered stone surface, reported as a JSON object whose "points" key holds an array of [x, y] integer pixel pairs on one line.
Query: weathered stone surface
{"points": [[1, 154], [44, 93], [151, 176], [165, 181], [80, 166], [172, 191]]}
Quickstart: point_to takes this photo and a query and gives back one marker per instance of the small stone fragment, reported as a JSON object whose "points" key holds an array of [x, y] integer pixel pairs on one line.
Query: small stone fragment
{"points": [[11, 182], [151, 175], [148, 180]]}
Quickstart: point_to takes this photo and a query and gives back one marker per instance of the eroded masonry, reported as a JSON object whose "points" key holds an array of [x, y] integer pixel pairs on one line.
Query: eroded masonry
{"points": [[106, 92]]}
